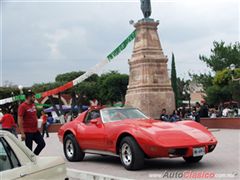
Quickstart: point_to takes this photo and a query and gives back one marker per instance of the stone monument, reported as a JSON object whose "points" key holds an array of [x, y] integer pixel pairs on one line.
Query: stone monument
{"points": [[149, 87]]}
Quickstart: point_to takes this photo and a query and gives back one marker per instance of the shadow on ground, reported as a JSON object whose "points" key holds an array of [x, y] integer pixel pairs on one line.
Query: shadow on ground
{"points": [[152, 164]]}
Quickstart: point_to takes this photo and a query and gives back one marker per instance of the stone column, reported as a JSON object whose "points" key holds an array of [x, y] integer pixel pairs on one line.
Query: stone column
{"points": [[149, 86]]}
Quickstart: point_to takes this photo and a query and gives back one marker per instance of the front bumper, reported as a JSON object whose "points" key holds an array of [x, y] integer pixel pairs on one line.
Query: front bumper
{"points": [[173, 151]]}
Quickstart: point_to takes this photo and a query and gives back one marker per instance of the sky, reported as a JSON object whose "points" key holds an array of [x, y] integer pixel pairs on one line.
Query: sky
{"points": [[41, 39]]}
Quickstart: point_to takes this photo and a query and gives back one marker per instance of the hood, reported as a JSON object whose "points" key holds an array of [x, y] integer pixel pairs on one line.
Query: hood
{"points": [[49, 161], [168, 134]]}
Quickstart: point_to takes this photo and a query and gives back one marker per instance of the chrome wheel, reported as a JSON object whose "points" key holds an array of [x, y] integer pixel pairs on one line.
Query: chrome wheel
{"points": [[126, 154], [69, 148]]}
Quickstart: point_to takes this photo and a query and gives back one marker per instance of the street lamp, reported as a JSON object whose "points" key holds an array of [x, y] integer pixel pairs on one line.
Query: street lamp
{"points": [[187, 92], [189, 98], [21, 97], [20, 87], [232, 68]]}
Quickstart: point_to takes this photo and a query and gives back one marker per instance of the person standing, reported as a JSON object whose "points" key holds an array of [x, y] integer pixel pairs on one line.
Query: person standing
{"points": [[8, 122], [197, 112], [27, 121], [44, 124], [203, 110]]}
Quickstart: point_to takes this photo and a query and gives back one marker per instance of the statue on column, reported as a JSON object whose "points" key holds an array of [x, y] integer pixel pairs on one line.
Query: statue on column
{"points": [[146, 8]]}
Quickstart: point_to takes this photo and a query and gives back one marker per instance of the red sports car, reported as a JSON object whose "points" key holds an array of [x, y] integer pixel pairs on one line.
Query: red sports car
{"points": [[131, 135]]}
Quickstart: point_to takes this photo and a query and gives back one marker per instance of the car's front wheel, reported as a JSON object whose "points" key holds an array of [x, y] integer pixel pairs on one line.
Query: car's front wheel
{"points": [[192, 159], [131, 155], [71, 149]]}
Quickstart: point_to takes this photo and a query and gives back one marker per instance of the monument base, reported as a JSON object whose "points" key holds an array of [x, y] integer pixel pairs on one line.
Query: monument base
{"points": [[151, 103]]}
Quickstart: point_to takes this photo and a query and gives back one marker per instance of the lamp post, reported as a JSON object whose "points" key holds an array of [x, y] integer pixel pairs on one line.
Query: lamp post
{"points": [[20, 87], [187, 93], [189, 98]]}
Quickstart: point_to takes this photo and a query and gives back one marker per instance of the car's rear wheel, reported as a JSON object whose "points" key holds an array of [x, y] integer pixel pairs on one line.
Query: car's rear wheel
{"points": [[131, 155], [71, 149], [192, 159]]}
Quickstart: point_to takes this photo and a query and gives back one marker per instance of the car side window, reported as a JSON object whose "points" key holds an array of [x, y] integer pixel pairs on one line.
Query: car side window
{"points": [[4, 159], [8, 159], [92, 115]]}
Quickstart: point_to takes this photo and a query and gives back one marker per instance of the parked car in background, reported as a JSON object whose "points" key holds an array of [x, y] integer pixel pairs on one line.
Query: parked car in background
{"points": [[131, 135], [18, 162]]}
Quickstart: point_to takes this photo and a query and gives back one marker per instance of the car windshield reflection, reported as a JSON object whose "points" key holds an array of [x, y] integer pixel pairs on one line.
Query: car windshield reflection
{"points": [[110, 115]]}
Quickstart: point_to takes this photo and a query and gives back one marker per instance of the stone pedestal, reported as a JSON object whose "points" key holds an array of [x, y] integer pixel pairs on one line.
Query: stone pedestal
{"points": [[149, 86]]}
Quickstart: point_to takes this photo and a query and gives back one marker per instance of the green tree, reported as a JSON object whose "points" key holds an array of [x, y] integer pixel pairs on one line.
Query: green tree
{"points": [[206, 79], [67, 77], [110, 87], [113, 87], [223, 88], [183, 87], [89, 89], [6, 92], [174, 80], [222, 56], [220, 87], [216, 94], [224, 77], [42, 87]]}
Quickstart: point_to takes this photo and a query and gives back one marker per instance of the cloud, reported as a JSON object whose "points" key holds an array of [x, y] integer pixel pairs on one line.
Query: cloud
{"points": [[54, 40], [43, 39]]}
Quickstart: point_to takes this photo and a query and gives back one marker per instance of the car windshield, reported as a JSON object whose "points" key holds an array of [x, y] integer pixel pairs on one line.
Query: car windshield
{"points": [[109, 115]]}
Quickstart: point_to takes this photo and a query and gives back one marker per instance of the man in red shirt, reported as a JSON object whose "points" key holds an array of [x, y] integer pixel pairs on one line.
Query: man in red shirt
{"points": [[27, 121], [8, 122]]}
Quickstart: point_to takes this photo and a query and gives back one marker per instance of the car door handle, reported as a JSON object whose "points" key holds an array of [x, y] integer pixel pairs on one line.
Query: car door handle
{"points": [[23, 174]]}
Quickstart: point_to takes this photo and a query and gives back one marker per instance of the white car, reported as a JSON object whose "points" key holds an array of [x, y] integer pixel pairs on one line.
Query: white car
{"points": [[18, 162]]}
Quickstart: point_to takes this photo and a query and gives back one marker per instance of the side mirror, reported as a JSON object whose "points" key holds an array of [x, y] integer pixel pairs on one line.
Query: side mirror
{"points": [[94, 121]]}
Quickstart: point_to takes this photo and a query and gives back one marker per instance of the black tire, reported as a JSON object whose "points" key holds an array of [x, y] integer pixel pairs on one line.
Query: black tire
{"points": [[137, 155], [72, 150], [192, 159]]}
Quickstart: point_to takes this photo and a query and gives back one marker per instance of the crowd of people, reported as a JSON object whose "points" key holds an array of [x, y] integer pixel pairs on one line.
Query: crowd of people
{"points": [[200, 111], [182, 113]]}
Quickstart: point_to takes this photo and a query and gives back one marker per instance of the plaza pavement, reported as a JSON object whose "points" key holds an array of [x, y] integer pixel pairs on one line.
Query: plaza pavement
{"points": [[223, 161]]}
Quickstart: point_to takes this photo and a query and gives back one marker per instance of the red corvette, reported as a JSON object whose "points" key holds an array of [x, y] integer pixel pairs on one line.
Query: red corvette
{"points": [[129, 134]]}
